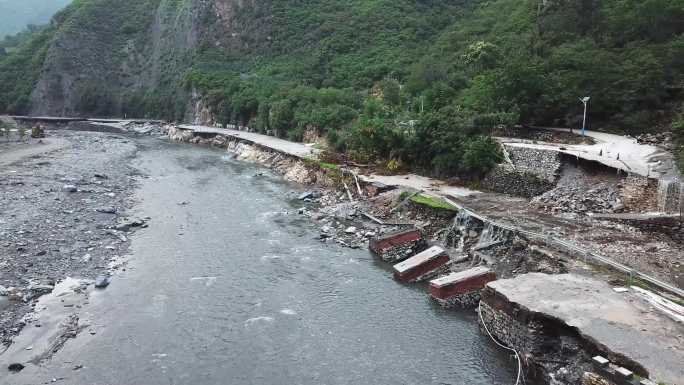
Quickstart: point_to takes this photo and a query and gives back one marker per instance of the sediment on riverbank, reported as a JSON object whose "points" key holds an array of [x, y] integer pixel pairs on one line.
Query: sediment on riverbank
{"points": [[63, 213]]}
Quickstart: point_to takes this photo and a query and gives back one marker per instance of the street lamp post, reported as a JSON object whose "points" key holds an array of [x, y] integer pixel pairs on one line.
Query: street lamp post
{"points": [[584, 100]]}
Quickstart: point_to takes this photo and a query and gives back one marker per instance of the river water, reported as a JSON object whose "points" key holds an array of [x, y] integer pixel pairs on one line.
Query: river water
{"points": [[234, 288]]}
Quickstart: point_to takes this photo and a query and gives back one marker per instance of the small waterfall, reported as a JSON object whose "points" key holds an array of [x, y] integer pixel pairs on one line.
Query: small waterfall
{"points": [[462, 221], [456, 234], [670, 193], [465, 226], [506, 156], [490, 236]]}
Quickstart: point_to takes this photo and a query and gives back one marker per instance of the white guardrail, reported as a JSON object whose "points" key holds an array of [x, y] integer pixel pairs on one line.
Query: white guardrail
{"points": [[551, 240]]}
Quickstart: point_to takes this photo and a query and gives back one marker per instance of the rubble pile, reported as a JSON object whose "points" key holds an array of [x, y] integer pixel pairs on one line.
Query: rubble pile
{"points": [[662, 139], [147, 128], [600, 199]]}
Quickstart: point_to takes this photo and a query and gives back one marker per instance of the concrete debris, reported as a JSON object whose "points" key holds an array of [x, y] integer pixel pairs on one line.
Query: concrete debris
{"points": [[309, 195], [350, 230], [662, 139]]}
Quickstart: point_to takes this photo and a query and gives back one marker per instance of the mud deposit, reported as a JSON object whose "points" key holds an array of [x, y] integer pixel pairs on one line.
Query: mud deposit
{"points": [[229, 284]]}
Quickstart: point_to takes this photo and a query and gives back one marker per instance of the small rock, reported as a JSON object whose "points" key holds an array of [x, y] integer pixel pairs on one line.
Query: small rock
{"points": [[86, 258], [3, 291], [70, 188], [37, 290], [106, 210], [102, 281], [16, 367], [14, 294], [306, 195], [350, 230]]}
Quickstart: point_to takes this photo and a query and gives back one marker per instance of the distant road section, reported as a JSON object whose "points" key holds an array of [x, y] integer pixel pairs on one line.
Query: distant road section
{"points": [[616, 151], [299, 150], [428, 185]]}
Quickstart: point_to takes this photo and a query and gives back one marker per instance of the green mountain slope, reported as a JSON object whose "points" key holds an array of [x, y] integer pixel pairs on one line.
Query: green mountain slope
{"points": [[417, 82]]}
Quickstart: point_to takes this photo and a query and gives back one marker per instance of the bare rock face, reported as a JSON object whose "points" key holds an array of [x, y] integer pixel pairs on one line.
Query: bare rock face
{"points": [[111, 66]]}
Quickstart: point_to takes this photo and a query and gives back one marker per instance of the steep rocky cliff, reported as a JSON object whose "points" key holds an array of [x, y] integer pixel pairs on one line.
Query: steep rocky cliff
{"points": [[113, 63]]}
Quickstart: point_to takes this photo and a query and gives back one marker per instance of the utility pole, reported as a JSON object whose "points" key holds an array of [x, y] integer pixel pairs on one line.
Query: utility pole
{"points": [[584, 100]]}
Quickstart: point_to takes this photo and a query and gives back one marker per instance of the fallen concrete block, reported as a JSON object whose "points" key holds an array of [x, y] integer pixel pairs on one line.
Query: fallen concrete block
{"points": [[422, 265], [600, 362], [397, 246], [624, 373], [461, 288]]}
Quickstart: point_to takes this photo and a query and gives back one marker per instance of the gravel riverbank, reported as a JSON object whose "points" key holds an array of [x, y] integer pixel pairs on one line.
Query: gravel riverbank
{"points": [[62, 213]]}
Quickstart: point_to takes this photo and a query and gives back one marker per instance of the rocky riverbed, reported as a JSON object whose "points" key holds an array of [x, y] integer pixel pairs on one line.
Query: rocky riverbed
{"points": [[62, 213]]}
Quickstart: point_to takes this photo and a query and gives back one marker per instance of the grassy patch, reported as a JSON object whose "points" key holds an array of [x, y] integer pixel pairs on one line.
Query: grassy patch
{"points": [[433, 203], [328, 166]]}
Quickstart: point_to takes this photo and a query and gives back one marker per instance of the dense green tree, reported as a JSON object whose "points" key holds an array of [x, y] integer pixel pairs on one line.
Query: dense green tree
{"points": [[421, 82]]}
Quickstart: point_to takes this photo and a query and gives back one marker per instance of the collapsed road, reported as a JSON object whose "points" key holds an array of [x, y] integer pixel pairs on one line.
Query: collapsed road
{"points": [[226, 285]]}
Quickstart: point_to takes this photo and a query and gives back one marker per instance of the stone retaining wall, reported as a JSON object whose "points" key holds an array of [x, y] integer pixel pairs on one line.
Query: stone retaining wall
{"points": [[531, 172], [505, 328], [507, 179], [552, 354], [541, 163]]}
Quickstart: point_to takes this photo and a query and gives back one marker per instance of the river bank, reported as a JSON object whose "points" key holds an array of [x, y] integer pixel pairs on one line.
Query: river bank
{"points": [[64, 213], [348, 210], [230, 283], [365, 214]]}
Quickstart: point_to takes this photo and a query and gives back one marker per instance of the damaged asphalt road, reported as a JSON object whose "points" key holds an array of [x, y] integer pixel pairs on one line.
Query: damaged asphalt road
{"points": [[62, 214]]}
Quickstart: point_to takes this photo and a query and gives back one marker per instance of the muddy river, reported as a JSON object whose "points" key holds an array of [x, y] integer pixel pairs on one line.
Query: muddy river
{"points": [[228, 285]]}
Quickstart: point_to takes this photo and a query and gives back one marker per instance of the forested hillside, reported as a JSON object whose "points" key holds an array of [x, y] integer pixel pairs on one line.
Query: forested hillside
{"points": [[419, 83], [15, 15]]}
